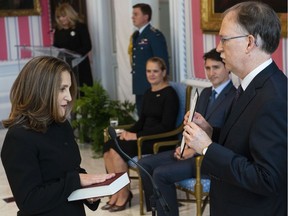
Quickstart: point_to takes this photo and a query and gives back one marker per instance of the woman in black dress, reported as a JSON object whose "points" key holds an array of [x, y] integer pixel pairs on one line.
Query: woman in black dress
{"points": [[72, 34], [40, 155], [158, 115]]}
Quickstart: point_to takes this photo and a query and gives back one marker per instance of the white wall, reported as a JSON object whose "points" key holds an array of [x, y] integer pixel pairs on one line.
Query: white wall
{"points": [[103, 56], [9, 72]]}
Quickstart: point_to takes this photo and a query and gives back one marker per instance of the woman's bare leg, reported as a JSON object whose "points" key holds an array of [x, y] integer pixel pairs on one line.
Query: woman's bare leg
{"points": [[115, 164]]}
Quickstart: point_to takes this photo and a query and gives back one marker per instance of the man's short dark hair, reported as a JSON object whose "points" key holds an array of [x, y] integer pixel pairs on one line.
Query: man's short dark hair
{"points": [[213, 54], [145, 9]]}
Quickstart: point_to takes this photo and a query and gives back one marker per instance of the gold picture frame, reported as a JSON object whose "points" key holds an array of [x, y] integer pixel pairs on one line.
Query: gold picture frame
{"points": [[211, 21], [13, 8]]}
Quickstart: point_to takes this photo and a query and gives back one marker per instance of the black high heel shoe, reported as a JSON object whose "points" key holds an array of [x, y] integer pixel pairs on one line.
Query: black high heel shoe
{"points": [[116, 208], [107, 206]]}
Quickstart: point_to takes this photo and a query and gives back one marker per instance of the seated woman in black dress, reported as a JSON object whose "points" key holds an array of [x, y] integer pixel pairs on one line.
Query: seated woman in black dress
{"points": [[159, 113]]}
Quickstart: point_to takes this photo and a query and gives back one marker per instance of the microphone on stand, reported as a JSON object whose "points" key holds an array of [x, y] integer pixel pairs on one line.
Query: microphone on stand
{"points": [[157, 193]]}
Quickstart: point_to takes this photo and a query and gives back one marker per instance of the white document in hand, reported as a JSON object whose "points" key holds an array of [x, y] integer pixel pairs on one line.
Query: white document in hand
{"points": [[193, 104], [107, 188]]}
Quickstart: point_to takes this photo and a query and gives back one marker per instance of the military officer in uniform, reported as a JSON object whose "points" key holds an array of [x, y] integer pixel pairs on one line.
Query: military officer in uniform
{"points": [[145, 43]]}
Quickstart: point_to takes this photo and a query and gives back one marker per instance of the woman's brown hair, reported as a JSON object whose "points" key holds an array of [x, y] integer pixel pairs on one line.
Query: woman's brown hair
{"points": [[34, 94], [161, 64]]}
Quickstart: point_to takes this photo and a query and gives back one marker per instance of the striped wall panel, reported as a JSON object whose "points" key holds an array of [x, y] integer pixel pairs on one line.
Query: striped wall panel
{"points": [[35, 30], [204, 42], [29, 30]]}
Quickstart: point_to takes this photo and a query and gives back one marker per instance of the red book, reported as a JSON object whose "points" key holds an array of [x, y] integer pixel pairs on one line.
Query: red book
{"points": [[106, 188]]}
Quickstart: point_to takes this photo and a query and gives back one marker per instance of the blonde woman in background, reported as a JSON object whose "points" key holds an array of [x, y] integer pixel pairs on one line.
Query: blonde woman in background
{"points": [[71, 33]]}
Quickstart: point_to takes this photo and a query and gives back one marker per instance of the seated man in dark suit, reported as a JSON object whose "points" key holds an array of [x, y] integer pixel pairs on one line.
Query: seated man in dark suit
{"points": [[168, 167]]}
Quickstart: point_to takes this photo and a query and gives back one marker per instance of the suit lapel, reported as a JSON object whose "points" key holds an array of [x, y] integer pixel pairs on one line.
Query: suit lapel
{"points": [[203, 101], [219, 100], [240, 106], [245, 99]]}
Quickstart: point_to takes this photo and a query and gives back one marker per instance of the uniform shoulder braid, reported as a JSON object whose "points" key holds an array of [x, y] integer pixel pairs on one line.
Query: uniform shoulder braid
{"points": [[152, 28], [156, 31]]}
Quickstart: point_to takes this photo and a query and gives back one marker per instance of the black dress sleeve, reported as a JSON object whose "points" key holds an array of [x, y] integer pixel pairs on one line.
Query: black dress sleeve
{"points": [[158, 116], [77, 39]]}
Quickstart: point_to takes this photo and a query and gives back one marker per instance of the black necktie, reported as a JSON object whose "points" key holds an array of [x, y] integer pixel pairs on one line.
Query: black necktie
{"points": [[135, 35], [213, 97], [239, 92], [237, 95], [211, 100]]}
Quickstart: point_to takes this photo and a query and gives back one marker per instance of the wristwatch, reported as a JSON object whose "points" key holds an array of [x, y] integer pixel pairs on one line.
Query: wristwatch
{"points": [[204, 150]]}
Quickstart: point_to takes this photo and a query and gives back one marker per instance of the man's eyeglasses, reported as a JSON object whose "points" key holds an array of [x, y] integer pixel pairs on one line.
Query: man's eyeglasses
{"points": [[223, 39]]}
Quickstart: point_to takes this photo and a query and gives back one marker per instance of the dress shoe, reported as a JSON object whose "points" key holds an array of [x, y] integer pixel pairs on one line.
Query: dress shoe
{"points": [[107, 206], [116, 208]]}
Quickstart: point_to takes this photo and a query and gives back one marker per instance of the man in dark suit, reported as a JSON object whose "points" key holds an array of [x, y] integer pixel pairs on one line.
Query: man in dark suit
{"points": [[248, 164], [146, 42], [168, 167]]}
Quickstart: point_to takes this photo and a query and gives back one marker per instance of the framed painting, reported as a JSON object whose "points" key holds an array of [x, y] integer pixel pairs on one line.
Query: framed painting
{"points": [[19, 8], [211, 13]]}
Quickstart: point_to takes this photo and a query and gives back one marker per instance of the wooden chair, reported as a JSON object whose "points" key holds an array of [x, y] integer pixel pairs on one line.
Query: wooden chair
{"points": [[184, 95], [198, 187]]}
